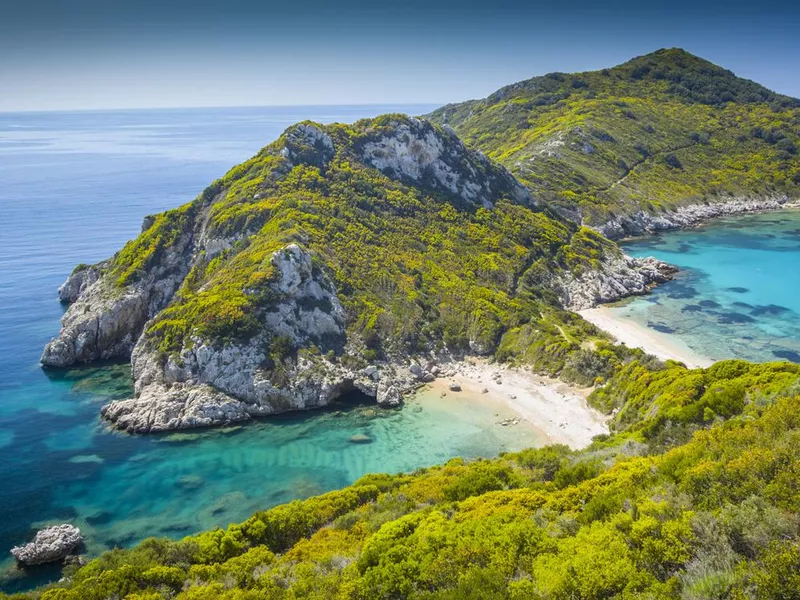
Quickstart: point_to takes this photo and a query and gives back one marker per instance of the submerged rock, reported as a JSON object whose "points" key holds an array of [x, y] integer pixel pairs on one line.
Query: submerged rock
{"points": [[50, 545], [360, 438], [191, 482]]}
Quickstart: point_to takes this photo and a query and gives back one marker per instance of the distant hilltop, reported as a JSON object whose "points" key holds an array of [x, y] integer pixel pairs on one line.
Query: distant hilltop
{"points": [[623, 149]]}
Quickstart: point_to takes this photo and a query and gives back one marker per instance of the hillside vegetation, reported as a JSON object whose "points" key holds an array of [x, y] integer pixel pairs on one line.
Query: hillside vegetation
{"points": [[330, 261], [695, 495], [415, 265], [654, 133]]}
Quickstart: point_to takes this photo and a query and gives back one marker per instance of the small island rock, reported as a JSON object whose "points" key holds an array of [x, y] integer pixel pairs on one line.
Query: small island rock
{"points": [[50, 545]]}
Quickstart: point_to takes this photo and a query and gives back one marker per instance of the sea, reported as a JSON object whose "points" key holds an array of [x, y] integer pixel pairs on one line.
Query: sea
{"points": [[737, 294]]}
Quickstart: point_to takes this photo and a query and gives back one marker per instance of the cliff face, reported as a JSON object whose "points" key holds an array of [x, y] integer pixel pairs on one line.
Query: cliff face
{"points": [[104, 320], [207, 383], [338, 258]]}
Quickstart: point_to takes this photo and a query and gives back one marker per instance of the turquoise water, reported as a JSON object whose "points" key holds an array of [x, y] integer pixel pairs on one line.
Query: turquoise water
{"points": [[738, 292], [73, 188]]}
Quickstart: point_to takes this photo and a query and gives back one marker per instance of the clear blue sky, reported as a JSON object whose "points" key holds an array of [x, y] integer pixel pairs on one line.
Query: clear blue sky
{"points": [[85, 54]]}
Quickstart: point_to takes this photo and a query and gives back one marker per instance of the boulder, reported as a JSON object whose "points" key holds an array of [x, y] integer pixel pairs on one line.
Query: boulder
{"points": [[416, 370], [388, 394], [454, 387], [51, 544]]}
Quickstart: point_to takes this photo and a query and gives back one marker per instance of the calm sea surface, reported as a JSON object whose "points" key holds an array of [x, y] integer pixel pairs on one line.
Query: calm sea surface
{"points": [[738, 293], [73, 188]]}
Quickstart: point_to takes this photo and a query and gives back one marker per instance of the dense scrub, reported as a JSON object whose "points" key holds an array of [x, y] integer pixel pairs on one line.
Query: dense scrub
{"points": [[633, 515], [656, 132], [416, 267]]}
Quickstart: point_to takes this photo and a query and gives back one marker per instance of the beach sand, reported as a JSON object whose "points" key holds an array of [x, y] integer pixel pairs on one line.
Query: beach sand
{"points": [[558, 412], [634, 335]]}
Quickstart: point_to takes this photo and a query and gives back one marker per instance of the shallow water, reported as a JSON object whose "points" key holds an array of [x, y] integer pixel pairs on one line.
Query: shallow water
{"points": [[738, 292], [73, 188]]}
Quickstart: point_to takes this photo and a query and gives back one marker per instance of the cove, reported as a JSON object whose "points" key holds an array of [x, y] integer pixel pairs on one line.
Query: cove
{"points": [[75, 187], [738, 292], [120, 488]]}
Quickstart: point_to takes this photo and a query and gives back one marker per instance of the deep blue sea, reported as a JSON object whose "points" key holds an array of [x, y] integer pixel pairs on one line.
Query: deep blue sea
{"points": [[73, 188], [738, 292]]}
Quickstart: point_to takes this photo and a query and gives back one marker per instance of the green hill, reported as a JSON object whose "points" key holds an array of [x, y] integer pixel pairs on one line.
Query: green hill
{"points": [[339, 257], [655, 133]]}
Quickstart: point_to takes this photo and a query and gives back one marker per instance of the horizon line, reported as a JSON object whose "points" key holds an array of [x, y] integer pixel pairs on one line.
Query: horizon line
{"points": [[215, 106]]}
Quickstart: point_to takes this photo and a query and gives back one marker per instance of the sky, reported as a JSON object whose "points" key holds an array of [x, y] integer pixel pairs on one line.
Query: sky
{"points": [[99, 54]]}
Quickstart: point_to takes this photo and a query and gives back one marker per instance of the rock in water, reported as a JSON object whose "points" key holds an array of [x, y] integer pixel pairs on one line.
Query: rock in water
{"points": [[388, 395], [360, 438], [454, 387], [50, 545]]}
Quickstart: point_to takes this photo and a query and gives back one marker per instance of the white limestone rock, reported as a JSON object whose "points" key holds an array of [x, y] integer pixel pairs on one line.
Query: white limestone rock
{"points": [[642, 223], [617, 277], [209, 384], [309, 144], [105, 321], [415, 150], [81, 279], [388, 394], [51, 544]]}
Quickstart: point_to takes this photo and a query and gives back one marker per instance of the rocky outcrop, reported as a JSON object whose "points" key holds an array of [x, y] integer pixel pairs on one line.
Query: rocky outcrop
{"points": [[162, 406], [617, 276], [100, 325], [208, 384], [50, 545], [80, 280], [642, 223], [416, 151], [104, 321], [306, 142]]}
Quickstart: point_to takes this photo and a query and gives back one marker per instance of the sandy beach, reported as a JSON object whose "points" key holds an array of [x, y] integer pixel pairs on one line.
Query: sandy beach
{"points": [[634, 335], [557, 411]]}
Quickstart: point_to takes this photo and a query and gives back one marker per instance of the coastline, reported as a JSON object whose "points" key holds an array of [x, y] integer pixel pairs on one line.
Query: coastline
{"points": [[789, 205], [687, 216], [634, 335], [557, 411]]}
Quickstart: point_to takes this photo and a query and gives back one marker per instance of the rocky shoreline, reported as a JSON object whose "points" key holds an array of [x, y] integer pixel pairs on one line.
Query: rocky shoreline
{"points": [[615, 278], [207, 385], [644, 223], [52, 544], [298, 352]]}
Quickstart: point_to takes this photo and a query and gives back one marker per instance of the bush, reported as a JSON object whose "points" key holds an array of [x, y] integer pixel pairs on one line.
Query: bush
{"points": [[673, 161]]}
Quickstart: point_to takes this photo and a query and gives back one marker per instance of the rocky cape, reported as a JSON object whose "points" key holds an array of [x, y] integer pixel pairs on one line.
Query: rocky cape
{"points": [[300, 348]]}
